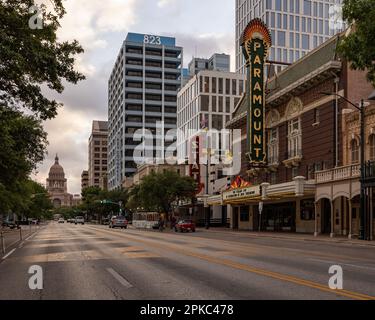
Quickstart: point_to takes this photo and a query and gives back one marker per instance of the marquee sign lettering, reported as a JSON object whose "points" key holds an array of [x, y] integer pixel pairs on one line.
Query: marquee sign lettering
{"points": [[256, 41]]}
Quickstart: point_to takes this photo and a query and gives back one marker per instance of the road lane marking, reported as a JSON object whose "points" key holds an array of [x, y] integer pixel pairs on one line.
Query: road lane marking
{"points": [[239, 266], [8, 254], [344, 264], [120, 278]]}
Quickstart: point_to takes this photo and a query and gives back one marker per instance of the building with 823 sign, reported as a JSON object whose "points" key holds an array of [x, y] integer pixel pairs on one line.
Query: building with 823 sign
{"points": [[142, 93]]}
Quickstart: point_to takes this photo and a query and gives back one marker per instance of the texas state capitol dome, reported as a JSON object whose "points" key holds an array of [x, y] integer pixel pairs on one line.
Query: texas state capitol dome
{"points": [[57, 186]]}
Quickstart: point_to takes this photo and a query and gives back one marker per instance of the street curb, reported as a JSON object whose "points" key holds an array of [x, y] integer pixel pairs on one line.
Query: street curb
{"points": [[342, 241]]}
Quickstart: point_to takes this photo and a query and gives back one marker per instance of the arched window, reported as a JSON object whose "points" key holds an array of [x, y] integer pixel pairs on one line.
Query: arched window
{"points": [[372, 147], [354, 146]]}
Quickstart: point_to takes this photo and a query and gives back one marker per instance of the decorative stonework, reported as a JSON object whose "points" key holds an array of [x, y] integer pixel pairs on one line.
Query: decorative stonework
{"points": [[294, 108]]}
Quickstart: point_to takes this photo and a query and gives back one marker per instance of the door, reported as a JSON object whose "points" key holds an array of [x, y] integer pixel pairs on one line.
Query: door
{"points": [[326, 216]]}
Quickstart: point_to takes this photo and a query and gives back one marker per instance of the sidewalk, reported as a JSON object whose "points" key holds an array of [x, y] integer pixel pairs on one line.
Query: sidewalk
{"points": [[289, 236]]}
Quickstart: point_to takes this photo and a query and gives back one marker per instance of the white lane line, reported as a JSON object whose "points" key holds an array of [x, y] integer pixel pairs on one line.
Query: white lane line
{"points": [[120, 279], [344, 264], [8, 254], [21, 244]]}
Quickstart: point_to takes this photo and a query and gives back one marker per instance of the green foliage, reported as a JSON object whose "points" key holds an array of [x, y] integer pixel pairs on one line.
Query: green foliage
{"points": [[159, 191], [93, 197], [29, 58], [359, 46]]}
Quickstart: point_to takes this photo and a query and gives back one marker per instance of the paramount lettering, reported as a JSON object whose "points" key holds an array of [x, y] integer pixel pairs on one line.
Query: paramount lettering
{"points": [[256, 42]]}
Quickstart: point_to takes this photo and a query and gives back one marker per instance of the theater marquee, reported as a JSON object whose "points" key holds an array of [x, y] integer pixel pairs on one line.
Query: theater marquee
{"points": [[256, 41]]}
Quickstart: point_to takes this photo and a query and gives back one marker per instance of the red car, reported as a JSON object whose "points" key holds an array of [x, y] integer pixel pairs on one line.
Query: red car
{"points": [[185, 225]]}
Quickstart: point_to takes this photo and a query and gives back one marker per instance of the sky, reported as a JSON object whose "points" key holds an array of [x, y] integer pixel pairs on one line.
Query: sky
{"points": [[200, 27]]}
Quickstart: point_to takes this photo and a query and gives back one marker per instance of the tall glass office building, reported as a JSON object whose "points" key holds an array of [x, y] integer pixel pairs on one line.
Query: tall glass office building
{"points": [[297, 26], [142, 94]]}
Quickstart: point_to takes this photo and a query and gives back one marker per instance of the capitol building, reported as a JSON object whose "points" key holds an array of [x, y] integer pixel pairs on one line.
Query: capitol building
{"points": [[57, 188]]}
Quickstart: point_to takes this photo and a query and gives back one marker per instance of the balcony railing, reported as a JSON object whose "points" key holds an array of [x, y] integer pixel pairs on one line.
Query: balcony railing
{"points": [[338, 174]]}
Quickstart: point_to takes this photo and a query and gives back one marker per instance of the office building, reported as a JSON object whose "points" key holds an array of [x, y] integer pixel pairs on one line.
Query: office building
{"points": [[297, 26], [217, 62], [84, 180], [207, 101], [98, 152], [142, 92]]}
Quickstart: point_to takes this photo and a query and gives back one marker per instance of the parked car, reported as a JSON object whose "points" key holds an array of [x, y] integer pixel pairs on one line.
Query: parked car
{"points": [[118, 222], [79, 220], [185, 225], [61, 220], [105, 221], [11, 224]]}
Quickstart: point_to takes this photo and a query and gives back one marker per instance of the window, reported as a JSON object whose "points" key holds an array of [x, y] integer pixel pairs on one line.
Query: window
{"points": [[213, 104], [221, 91], [204, 103], [206, 84], [220, 104], [307, 7], [316, 116], [354, 146], [306, 42], [278, 5], [227, 86], [281, 38], [241, 88], [234, 87], [213, 85], [227, 105], [294, 138], [372, 147], [273, 146]]}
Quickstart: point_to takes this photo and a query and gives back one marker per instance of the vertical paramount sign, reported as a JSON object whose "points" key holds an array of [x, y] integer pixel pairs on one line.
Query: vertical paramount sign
{"points": [[256, 41]]}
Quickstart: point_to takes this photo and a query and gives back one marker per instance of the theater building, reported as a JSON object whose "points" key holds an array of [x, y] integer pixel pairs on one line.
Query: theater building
{"points": [[310, 181]]}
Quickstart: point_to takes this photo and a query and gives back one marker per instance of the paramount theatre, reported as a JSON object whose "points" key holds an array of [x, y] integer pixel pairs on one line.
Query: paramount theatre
{"points": [[300, 149]]}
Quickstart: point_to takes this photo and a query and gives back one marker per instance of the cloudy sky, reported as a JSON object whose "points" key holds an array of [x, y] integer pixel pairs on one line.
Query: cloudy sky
{"points": [[200, 27]]}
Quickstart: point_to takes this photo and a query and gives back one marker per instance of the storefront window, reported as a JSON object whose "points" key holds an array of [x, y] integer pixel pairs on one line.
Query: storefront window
{"points": [[307, 210]]}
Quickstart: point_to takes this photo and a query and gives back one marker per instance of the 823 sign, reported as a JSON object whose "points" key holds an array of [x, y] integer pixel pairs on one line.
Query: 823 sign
{"points": [[151, 39]]}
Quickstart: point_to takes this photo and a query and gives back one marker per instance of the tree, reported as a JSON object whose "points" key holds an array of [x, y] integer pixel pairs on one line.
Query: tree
{"points": [[159, 191], [31, 57], [23, 142], [39, 203], [358, 47]]}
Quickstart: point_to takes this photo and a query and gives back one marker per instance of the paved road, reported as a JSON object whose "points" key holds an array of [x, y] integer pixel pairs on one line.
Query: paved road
{"points": [[94, 262]]}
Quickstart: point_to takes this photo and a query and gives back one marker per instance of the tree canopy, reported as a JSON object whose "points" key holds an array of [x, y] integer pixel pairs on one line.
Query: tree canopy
{"points": [[159, 191], [359, 46], [32, 60]]}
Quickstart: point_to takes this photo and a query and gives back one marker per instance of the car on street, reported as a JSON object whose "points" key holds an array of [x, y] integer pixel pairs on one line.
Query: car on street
{"points": [[185, 225], [118, 222], [61, 220], [79, 220], [10, 224]]}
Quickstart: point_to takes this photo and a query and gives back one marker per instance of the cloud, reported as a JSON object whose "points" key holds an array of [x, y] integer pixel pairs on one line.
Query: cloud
{"points": [[68, 135], [165, 3], [205, 44]]}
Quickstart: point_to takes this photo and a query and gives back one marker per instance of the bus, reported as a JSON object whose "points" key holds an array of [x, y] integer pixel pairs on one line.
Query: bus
{"points": [[146, 220]]}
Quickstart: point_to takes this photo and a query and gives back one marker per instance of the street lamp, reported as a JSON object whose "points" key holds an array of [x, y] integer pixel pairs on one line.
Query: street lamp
{"points": [[361, 108]]}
